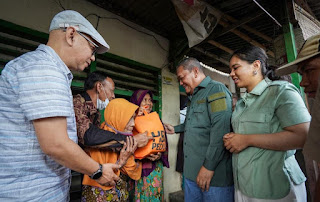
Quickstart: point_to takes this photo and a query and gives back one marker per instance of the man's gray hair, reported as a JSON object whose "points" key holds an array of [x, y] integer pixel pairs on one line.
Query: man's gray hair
{"points": [[189, 63]]}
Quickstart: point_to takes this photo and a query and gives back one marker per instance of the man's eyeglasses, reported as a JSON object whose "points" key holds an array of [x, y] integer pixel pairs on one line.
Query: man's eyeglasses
{"points": [[94, 50]]}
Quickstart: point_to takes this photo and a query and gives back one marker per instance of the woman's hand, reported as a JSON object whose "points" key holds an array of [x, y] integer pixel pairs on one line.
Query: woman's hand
{"points": [[292, 137], [154, 157], [127, 150], [235, 142]]}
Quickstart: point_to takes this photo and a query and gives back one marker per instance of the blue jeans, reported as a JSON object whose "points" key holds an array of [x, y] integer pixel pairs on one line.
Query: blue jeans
{"points": [[192, 193]]}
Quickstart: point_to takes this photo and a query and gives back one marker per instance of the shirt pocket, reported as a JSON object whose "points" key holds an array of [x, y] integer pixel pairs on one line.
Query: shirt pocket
{"points": [[256, 122], [200, 116]]}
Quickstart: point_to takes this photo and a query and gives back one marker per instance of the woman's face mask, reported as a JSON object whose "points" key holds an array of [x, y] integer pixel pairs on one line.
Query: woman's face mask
{"points": [[102, 104]]}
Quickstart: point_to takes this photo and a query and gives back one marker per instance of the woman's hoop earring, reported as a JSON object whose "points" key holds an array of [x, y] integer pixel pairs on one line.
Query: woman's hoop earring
{"points": [[254, 73]]}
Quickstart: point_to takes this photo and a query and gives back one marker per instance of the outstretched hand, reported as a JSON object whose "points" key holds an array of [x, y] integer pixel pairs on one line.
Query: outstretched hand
{"points": [[169, 128]]}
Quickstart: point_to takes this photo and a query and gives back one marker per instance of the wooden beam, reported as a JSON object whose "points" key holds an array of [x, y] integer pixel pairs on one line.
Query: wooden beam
{"points": [[246, 27], [219, 45], [225, 4], [247, 38], [263, 36], [235, 25], [212, 55], [249, 29]]}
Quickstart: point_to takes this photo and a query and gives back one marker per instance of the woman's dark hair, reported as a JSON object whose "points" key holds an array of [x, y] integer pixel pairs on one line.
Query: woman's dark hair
{"points": [[253, 53], [92, 79]]}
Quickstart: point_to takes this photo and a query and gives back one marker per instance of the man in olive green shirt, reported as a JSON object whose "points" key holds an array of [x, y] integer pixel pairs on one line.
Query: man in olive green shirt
{"points": [[207, 164]]}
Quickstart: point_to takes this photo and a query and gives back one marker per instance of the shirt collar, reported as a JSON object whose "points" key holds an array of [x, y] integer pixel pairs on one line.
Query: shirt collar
{"points": [[89, 103], [262, 85], [86, 96], [203, 84], [55, 57]]}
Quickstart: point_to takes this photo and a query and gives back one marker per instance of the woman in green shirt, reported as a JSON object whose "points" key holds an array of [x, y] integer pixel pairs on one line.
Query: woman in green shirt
{"points": [[270, 121]]}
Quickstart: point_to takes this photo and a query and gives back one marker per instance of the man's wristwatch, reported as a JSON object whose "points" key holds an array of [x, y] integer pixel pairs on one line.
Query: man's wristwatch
{"points": [[96, 175]]}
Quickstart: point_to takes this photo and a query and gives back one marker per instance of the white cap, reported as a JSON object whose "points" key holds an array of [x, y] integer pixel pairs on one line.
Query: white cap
{"points": [[70, 18]]}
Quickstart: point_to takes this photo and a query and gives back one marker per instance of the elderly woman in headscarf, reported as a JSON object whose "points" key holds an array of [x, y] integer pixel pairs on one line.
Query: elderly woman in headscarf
{"points": [[150, 186], [119, 118]]}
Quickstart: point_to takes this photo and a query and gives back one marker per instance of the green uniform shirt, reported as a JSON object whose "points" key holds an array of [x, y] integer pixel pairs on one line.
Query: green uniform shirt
{"points": [[268, 108], [207, 121]]}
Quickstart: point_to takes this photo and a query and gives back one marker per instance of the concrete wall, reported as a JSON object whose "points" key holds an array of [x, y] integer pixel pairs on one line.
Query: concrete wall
{"points": [[123, 40], [171, 115]]}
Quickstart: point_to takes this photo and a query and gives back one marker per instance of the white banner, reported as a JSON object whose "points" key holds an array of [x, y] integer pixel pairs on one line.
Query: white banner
{"points": [[198, 20]]}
